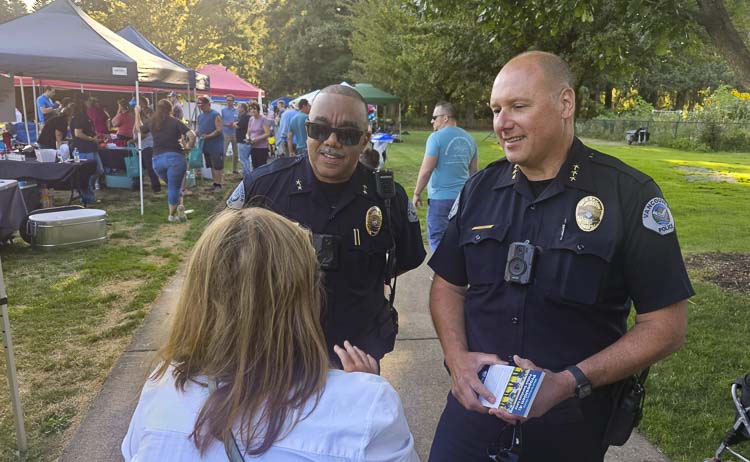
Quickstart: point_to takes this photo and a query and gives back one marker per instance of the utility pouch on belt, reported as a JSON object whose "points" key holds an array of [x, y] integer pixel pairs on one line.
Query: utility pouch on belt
{"points": [[328, 249], [388, 325], [627, 409]]}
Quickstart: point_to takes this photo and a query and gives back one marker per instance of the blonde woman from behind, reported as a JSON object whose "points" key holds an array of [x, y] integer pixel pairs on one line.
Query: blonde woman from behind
{"points": [[247, 322]]}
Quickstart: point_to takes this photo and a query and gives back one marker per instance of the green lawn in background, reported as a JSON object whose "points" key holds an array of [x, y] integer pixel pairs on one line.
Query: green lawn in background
{"points": [[688, 408]]}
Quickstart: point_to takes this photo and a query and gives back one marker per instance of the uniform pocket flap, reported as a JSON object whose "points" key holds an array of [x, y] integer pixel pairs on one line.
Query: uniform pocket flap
{"points": [[480, 233], [598, 246]]}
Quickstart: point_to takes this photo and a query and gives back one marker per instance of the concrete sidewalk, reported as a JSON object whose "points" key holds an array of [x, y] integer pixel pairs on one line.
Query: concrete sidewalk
{"points": [[415, 369]]}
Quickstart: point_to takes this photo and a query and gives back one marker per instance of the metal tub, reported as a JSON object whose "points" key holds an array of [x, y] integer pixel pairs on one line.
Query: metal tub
{"points": [[67, 228]]}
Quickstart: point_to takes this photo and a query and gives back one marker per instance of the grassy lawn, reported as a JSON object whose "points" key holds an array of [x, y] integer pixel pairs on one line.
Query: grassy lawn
{"points": [[688, 408], [73, 311]]}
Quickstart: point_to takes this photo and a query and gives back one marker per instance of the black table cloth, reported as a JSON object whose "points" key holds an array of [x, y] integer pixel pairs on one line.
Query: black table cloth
{"points": [[65, 175], [12, 208]]}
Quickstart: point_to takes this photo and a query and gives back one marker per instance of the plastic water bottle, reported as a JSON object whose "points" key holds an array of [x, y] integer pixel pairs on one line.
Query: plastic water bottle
{"points": [[76, 156]]}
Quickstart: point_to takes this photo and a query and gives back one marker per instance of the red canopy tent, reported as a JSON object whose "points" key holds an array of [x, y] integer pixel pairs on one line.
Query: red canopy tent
{"points": [[223, 82]]}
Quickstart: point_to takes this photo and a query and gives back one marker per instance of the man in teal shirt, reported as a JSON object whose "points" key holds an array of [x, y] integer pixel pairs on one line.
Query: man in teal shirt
{"points": [[296, 139], [449, 159]]}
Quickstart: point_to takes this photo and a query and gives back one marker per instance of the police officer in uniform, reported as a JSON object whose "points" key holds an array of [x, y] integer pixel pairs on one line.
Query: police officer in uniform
{"points": [[544, 253], [363, 235]]}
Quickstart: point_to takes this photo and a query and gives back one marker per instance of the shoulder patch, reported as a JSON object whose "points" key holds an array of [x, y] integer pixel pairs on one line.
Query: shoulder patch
{"points": [[657, 217], [411, 212], [237, 200], [454, 208]]}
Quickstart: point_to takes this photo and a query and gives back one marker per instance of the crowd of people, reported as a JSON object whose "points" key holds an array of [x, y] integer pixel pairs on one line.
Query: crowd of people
{"points": [[538, 261]]}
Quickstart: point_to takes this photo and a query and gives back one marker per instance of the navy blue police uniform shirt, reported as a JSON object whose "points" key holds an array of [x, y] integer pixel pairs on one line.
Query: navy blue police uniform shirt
{"points": [[354, 291], [604, 235]]}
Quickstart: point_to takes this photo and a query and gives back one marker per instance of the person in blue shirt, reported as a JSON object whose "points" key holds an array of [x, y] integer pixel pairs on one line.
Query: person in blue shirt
{"points": [[230, 117], [296, 138], [44, 104], [449, 159], [286, 117], [210, 131]]}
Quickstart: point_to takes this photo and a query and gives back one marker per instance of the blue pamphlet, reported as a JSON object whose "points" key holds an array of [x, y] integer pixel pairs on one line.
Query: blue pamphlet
{"points": [[513, 387]]}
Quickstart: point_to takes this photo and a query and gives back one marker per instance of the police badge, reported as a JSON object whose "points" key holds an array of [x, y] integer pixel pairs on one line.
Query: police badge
{"points": [[373, 221], [589, 213]]}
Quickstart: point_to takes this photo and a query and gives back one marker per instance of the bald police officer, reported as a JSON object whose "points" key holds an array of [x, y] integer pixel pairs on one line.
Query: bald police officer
{"points": [[363, 236], [594, 234]]}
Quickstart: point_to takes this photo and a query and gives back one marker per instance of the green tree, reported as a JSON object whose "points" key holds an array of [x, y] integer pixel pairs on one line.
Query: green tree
{"points": [[10, 9], [306, 46], [423, 59]]}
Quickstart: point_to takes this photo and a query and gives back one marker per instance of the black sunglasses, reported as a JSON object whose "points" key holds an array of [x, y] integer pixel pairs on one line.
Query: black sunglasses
{"points": [[346, 136], [436, 116], [499, 454]]}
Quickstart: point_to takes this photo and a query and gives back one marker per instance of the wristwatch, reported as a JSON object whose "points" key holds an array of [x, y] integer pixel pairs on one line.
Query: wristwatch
{"points": [[583, 386]]}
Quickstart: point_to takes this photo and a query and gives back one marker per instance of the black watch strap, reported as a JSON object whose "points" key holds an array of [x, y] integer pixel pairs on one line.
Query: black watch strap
{"points": [[583, 386]]}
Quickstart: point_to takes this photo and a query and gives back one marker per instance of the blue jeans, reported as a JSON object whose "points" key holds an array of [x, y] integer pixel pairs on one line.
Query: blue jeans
{"points": [[88, 196], [244, 155], [171, 167], [437, 220]]}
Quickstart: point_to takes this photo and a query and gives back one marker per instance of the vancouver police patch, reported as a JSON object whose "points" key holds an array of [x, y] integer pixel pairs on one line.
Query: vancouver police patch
{"points": [[411, 212], [657, 217], [237, 200]]}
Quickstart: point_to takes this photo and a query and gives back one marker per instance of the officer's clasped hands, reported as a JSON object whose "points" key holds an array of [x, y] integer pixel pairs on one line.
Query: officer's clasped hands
{"points": [[556, 387]]}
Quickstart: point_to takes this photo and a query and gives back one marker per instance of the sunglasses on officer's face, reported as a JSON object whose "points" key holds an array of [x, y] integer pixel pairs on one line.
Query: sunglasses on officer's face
{"points": [[346, 136], [499, 454]]}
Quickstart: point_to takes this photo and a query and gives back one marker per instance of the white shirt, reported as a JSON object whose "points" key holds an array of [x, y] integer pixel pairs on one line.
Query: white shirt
{"points": [[359, 418]]}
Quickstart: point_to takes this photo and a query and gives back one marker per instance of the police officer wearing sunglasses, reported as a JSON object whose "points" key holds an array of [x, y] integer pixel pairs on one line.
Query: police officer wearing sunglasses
{"points": [[364, 236], [545, 251]]}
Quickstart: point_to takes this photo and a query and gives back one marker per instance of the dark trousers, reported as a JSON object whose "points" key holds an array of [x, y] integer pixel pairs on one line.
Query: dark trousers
{"points": [[258, 156], [570, 432], [147, 156]]}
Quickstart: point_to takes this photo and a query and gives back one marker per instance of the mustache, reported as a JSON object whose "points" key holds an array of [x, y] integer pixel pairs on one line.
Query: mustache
{"points": [[330, 152]]}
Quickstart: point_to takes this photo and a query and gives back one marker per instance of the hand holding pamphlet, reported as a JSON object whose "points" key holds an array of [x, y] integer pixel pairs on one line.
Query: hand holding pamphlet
{"points": [[513, 387]]}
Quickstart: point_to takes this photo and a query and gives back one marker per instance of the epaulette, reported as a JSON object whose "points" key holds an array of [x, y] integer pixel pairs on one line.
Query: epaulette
{"points": [[615, 163], [280, 164]]}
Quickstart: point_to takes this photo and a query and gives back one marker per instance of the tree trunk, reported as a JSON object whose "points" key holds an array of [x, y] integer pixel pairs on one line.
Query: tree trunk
{"points": [[608, 102], [713, 16]]}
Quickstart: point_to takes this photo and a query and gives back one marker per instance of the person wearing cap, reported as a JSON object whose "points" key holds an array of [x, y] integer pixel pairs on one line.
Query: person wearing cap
{"points": [[177, 112], [210, 131], [362, 238]]}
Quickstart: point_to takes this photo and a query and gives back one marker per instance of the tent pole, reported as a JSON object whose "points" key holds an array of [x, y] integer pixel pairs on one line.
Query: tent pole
{"points": [[25, 116], [36, 114], [140, 147], [10, 365]]}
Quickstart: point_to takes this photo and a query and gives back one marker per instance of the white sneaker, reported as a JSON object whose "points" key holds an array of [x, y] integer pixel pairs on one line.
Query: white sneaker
{"points": [[181, 213], [172, 218]]}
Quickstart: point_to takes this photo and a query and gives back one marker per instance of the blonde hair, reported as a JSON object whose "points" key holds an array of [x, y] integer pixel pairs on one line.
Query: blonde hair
{"points": [[249, 315]]}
